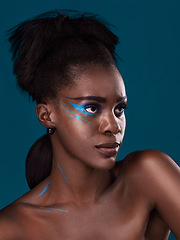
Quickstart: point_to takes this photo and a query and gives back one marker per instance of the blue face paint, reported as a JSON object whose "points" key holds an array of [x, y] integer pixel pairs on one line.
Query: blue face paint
{"points": [[49, 208], [63, 174], [44, 191], [57, 209], [81, 108], [72, 114], [88, 108]]}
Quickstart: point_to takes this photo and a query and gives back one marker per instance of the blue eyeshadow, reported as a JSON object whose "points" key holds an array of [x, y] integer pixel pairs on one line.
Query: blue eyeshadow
{"points": [[81, 108]]}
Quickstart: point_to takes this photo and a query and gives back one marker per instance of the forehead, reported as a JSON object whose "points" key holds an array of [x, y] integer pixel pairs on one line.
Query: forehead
{"points": [[98, 81]]}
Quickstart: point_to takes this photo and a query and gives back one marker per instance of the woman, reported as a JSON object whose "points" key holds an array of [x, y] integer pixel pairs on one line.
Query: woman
{"points": [[67, 65]]}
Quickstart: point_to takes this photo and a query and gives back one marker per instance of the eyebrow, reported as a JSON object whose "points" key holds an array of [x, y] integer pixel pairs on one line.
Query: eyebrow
{"points": [[98, 99]]}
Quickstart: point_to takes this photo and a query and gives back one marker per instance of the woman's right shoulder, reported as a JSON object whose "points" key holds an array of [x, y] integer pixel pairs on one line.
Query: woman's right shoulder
{"points": [[17, 217], [11, 219]]}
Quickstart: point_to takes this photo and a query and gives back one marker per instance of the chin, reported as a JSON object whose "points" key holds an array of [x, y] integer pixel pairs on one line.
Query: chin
{"points": [[106, 164]]}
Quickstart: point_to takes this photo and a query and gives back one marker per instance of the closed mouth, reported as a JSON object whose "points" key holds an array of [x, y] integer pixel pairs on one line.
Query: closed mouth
{"points": [[108, 149], [108, 145]]}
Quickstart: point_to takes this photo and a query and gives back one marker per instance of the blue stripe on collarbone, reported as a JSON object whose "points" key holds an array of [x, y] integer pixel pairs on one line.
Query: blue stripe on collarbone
{"points": [[48, 208], [56, 209]]}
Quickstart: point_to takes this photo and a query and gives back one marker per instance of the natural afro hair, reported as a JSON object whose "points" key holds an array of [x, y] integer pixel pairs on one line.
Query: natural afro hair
{"points": [[46, 47]]}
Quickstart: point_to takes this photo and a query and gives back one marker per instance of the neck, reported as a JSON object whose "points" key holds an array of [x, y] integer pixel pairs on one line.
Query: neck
{"points": [[72, 180], [79, 184]]}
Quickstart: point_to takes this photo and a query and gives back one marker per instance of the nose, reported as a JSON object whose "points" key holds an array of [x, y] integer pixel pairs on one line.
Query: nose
{"points": [[110, 125]]}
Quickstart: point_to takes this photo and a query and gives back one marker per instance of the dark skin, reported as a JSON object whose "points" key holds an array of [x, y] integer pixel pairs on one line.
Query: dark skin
{"points": [[136, 198]]}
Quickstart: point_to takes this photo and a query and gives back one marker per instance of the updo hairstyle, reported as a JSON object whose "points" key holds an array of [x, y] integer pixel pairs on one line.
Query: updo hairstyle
{"points": [[48, 52]]}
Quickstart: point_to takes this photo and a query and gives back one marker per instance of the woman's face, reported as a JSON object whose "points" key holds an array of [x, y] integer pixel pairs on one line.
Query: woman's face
{"points": [[90, 120]]}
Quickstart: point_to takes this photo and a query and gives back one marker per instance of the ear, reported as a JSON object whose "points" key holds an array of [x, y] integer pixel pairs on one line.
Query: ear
{"points": [[43, 113]]}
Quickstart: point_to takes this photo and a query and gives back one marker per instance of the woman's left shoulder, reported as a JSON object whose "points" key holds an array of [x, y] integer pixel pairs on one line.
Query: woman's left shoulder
{"points": [[157, 178], [151, 161], [151, 168]]}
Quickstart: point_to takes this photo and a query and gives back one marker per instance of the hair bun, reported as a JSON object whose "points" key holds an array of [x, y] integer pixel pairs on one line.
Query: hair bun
{"points": [[33, 39], [29, 41]]}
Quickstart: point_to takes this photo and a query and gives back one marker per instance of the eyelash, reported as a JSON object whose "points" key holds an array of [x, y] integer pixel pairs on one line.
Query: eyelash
{"points": [[91, 105], [121, 106]]}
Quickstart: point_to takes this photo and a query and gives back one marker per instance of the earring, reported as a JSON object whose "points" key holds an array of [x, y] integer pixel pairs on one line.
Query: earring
{"points": [[50, 131]]}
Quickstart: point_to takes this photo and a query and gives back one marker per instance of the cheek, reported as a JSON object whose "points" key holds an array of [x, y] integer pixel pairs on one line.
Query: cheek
{"points": [[76, 137], [75, 128]]}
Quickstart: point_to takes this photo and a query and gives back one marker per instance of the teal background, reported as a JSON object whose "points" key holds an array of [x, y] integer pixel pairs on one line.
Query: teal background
{"points": [[150, 48]]}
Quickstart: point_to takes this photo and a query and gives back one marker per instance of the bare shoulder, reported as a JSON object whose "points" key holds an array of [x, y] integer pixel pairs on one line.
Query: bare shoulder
{"points": [[10, 222], [157, 178], [150, 162], [16, 219], [154, 172]]}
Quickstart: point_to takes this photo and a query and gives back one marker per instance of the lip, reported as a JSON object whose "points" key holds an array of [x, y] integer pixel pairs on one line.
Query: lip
{"points": [[108, 145], [108, 149]]}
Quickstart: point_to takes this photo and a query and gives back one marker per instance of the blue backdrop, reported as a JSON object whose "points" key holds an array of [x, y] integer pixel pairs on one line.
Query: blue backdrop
{"points": [[150, 48]]}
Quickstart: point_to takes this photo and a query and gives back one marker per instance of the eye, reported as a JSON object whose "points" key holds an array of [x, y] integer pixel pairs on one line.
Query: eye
{"points": [[89, 108], [92, 108], [119, 109]]}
